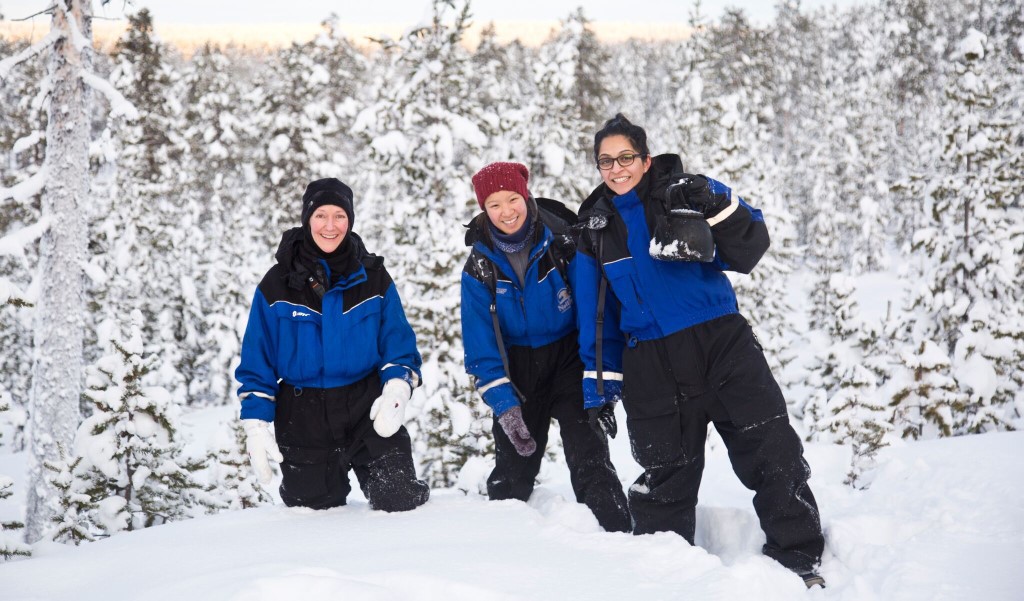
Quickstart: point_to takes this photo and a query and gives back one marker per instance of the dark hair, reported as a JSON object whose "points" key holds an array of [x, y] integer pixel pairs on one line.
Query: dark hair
{"points": [[620, 126]]}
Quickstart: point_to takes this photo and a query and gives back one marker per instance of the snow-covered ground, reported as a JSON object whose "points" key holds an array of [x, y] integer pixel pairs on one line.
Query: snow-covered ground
{"points": [[942, 519]]}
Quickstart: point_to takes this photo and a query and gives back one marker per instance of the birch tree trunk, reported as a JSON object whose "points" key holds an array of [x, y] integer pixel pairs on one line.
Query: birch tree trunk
{"points": [[60, 312]]}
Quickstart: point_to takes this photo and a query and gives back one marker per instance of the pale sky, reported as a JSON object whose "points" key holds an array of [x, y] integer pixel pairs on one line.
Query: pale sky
{"points": [[190, 23], [410, 11]]}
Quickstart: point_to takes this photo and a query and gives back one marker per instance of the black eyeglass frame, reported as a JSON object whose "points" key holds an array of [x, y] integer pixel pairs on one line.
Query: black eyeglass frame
{"points": [[624, 160]]}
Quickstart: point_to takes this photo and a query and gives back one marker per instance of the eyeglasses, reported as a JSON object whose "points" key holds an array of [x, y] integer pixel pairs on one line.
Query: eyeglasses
{"points": [[624, 160]]}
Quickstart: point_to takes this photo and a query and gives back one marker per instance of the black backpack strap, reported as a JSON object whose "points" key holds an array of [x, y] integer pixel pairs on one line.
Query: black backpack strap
{"points": [[492, 281], [560, 266], [602, 292]]}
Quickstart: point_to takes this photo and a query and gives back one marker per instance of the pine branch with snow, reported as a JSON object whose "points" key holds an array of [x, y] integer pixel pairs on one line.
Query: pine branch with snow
{"points": [[11, 545], [73, 520], [136, 470], [930, 403]]}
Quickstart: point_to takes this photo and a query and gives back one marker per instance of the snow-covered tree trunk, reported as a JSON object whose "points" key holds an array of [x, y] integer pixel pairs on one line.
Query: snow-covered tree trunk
{"points": [[59, 318]]}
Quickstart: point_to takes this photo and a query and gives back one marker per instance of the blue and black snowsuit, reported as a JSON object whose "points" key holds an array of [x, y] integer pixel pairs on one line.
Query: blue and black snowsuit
{"points": [[314, 366], [673, 335], [537, 319]]}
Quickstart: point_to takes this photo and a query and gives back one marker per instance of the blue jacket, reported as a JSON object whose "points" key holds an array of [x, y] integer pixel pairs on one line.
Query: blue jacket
{"points": [[358, 328], [649, 299], [534, 315]]}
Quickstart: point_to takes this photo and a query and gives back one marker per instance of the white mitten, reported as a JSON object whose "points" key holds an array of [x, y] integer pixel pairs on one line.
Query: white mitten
{"points": [[388, 411], [261, 445]]}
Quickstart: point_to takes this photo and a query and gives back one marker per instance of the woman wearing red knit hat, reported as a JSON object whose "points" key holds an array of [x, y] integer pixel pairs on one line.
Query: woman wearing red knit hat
{"points": [[520, 337]]}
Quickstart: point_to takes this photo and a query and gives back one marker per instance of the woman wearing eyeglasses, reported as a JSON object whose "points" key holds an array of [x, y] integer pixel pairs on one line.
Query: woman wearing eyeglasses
{"points": [[671, 344]]}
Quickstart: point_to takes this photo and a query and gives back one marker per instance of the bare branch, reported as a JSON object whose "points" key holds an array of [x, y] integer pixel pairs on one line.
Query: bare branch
{"points": [[45, 11]]}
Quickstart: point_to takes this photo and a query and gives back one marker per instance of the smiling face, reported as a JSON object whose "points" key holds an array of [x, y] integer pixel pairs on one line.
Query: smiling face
{"points": [[328, 225], [506, 210], [622, 179]]}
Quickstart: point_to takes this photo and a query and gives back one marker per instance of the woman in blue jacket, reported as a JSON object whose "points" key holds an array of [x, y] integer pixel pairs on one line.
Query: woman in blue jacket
{"points": [[674, 347], [519, 333], [329, 357]]}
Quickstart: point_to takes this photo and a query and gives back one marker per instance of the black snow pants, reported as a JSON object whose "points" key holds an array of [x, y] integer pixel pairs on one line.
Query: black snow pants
{"points": [[550, 377], [716, 372], [324, 432]]}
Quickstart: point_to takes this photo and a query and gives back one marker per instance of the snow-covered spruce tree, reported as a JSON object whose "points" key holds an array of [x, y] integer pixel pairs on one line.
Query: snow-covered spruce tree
{"points": [[856, 418], [824, 260], [18, 261], [971, 272], [929, 403], [145, 238], [686, 125], [235, 485], [839, 330], [295, 117], [849, 163], [647, 66], [133, 461], [423, 134], [501, 81], [10, 543], [567, 108], [64, 181], [987, 355], [346, 96], [913, 58], [219, 202], [73, 520], [852, 413], [869, 165], [796, 49]]}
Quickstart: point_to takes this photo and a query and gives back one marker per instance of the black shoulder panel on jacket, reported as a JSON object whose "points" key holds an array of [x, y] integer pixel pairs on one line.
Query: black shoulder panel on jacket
{"points": [[372, 261], [480, 268], [275, 288]]}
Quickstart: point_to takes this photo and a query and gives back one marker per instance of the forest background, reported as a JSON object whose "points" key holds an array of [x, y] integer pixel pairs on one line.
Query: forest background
{"points": [[883, 143]]}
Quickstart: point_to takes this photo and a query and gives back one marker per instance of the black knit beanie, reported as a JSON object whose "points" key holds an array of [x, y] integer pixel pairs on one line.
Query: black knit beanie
{"points": [[327, 191]]}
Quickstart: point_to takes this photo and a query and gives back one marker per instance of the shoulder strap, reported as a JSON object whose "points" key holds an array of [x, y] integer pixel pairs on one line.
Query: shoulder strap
{"points": [[493, 284], [602, 292], [560, 266]]}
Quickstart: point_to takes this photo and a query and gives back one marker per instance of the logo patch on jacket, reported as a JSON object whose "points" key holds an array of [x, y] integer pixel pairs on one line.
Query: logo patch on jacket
{"points": [[295, 312], [564, 300]]}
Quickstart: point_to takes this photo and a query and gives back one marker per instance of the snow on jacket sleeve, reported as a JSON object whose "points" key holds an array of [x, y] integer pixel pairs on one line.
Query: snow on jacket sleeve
{"points": [[483, 360], [256, 370], [741, 237], [397, 342], [587, 279]]}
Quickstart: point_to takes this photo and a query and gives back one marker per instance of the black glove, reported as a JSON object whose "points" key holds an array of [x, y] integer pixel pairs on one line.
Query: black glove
{"points": [[602, 419], [695, 191]]}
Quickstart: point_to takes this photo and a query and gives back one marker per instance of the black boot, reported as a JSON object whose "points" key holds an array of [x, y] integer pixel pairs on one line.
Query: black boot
{"points": [[812, 579]]}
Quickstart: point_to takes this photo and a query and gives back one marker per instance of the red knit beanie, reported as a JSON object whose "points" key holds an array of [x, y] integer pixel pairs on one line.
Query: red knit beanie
{"points": [[501, 176]]}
